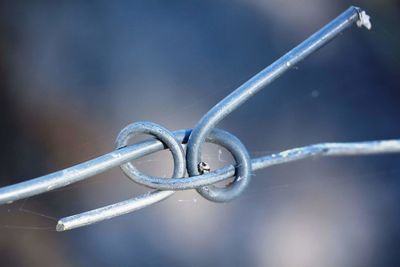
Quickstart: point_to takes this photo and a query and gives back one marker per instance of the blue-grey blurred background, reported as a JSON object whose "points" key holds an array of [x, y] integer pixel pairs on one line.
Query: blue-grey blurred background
{"points": [[74, 73]]}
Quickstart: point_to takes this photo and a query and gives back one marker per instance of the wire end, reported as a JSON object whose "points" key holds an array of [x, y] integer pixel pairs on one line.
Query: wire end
{"points": [[363, 19], [60, 227]]}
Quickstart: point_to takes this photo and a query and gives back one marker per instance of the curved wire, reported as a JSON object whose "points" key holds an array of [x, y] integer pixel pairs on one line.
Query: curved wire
{"points": [[162, 134]]}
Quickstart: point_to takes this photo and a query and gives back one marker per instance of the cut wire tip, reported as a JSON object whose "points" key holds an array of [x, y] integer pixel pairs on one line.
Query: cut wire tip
{"points": [[60, 227]]}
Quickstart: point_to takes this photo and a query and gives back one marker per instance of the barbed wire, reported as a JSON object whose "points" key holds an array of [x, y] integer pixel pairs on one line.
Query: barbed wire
{"points": [[200, 177]]}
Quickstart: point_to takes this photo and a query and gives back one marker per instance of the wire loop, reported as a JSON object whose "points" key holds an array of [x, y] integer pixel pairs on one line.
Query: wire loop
{"points": [[242, 168], [165, 136]]}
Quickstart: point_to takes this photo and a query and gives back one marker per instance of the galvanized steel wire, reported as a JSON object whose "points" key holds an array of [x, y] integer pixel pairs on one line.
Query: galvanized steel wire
{"points": [[199, 176]]}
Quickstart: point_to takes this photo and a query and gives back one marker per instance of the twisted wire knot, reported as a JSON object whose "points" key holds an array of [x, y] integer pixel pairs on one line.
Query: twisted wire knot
{"points": [[209, 191]]}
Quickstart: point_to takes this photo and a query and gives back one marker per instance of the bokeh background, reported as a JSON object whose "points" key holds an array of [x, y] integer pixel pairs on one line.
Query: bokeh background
{"points": [[73, 73]]}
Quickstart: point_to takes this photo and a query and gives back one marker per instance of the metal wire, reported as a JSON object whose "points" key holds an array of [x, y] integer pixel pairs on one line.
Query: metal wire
{"points": [[200, 178]]}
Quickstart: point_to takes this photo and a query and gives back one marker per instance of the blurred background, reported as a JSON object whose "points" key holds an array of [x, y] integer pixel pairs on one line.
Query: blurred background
{"points": [[74, 73]]}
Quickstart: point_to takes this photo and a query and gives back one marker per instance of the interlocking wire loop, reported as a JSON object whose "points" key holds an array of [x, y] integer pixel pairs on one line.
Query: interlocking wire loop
{"points": [[164, 136], [217, 136], [242, 168], [201, 177]]}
